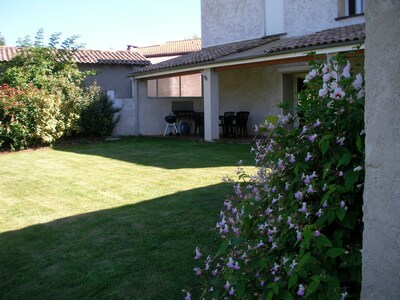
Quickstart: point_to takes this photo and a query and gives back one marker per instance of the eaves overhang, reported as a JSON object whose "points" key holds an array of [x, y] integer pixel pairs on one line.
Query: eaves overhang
{"points": [[251, 58]]}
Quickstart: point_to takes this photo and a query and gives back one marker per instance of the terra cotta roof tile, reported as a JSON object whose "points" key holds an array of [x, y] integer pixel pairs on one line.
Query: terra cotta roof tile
{"points": [[84, 56], [267, 45], [171, 48]]}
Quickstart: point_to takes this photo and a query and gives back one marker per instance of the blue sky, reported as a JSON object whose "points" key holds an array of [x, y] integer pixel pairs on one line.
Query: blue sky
{"points": [[102, 24]]}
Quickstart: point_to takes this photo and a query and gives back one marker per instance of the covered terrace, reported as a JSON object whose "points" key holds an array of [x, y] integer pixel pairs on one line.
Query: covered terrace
{"points": [[254, 76]]}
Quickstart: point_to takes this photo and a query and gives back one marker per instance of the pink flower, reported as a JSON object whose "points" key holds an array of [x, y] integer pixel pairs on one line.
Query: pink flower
{"points": [[308, 157], [326, 77], [346, 70], [324, 91], [232, 291], [303, 208], [298, 195], [312, 138], [310, 75], [198, 253], [300, 291], [197, 271], [317, 123], [338, 93], [361, 93], [358, 83], [340, 141]]}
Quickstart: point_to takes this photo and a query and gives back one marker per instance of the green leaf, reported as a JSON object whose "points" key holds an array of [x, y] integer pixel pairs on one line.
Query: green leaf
{"points": [[276, 290], [345, 159], [323, 241], [269, 295], [237, 240], [335, 252], [330, 215], [240, 288], [222, 248], [292, 280], [341, 213], [287, 296], [324, 146], [312, 287], [359, 143], [304, 259], [350, 178]]}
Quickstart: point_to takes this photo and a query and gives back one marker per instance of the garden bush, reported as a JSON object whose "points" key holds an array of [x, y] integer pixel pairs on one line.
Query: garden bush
{"points": [[28, 117], [43, 98], [295, 228], [97, 114]]}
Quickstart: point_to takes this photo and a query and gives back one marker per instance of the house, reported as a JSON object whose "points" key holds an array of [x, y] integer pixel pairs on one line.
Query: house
{"points": [[172, 49], [254, 53], [112, 75]]}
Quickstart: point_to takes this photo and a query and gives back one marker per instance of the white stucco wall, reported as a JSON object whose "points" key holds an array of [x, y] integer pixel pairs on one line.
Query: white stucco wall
{"points": [[226, 21], [257, 90], [381, 237], [126, 125], [308, 16]]}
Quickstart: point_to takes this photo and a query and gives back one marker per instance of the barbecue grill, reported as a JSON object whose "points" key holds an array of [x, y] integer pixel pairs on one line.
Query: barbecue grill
{"points": [[171, 124]]}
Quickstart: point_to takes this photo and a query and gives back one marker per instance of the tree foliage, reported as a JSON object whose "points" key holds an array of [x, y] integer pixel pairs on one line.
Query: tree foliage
{"points": [[41, 74], [2, 40]]}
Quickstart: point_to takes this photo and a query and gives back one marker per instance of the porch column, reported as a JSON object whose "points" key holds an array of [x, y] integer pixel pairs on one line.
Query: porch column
{"points": [[211, 105]]}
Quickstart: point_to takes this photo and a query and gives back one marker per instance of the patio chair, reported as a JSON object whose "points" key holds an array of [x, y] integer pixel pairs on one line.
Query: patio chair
{"points": [[199, 123], [241, 122], [229, 124]]}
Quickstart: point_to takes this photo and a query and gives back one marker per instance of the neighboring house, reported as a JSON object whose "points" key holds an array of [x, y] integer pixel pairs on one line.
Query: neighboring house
{"points": [[112, 75], [252, 59], [158, 53]]}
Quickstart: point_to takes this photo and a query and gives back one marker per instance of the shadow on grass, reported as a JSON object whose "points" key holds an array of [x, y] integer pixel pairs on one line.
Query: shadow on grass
{"points": [[141, 251], [168, 153]]}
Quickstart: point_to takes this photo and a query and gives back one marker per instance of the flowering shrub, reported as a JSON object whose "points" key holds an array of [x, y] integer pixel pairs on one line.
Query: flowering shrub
{"points": [[28, 117], [295, 229]]}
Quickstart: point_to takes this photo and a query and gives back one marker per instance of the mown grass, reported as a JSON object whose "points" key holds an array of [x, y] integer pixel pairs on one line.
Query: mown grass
{"points": [[116, 220]]}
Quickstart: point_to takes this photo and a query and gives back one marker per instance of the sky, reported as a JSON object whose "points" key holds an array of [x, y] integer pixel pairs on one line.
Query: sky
{"points": [[101, 24]]}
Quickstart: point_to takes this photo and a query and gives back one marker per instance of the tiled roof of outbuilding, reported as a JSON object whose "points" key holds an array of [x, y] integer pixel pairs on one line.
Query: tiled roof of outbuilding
{"points": [[265, 46], [171, 48], [84, 56]]}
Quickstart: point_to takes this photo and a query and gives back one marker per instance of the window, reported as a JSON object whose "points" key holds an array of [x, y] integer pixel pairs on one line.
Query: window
{"points": [[348, 8], [176, 86]]}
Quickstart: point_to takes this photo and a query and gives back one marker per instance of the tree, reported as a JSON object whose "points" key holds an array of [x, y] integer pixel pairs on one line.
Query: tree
{"points": [[54, 72], [2, 40]]}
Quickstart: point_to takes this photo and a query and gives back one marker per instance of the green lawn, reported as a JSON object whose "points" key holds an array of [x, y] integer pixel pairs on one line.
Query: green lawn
{"points": [[115, 220]]}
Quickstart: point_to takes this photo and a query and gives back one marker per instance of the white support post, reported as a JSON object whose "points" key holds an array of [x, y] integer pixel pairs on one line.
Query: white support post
{"points": [[211, 105]]}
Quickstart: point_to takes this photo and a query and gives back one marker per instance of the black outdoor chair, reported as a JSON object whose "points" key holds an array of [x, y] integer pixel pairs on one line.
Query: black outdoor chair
{"points": [[199, 123], [241, 122], [228, 123]]}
